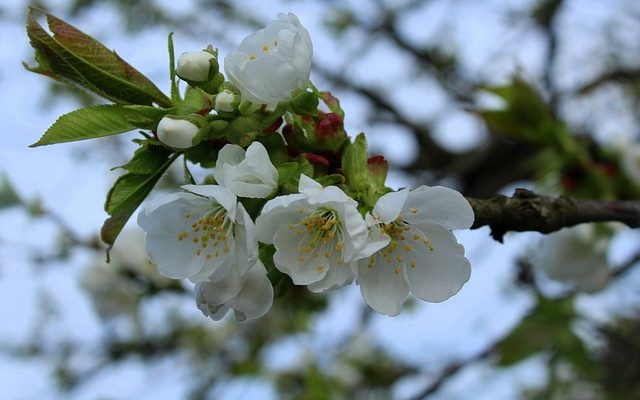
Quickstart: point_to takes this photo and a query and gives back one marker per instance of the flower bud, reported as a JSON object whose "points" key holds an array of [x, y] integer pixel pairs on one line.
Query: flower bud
{"points": [[181, 132], [226, 101], [378, 168], [196, 66]]}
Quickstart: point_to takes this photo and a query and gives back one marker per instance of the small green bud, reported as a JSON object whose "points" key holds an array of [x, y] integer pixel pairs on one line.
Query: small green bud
{"points": [[354, 164], [242, 131]]}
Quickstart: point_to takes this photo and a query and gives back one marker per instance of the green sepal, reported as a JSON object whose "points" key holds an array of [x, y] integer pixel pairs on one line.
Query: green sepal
{"points": [[204, 154], [242, 131], [331, 180], [73, 56], [305, 103], [100, 121], [287, 171], [217, 129], [354, 164]]}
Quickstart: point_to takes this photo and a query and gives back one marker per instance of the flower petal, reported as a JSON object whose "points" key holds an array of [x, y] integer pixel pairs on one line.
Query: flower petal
{"points": [[230, 154], [382, 285], [289, 258], [389, 206], [438, 205], [441, 268], [246, 253], [338, 275], [221, 195], [278, 212], [308, 186], [256, 296]]}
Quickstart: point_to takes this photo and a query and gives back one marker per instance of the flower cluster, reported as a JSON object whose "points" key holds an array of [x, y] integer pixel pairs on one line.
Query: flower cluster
{"points": [[299, 200]]}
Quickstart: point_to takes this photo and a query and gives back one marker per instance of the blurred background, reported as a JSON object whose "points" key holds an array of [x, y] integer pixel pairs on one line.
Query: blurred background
{"points": [[418, 76]]}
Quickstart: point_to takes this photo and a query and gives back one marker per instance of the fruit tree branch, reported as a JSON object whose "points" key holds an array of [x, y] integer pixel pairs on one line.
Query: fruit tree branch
{"points": [[527, 211]]}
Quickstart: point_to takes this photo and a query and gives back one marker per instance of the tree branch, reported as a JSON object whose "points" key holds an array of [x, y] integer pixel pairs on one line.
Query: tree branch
{"points": [[526, 211]]}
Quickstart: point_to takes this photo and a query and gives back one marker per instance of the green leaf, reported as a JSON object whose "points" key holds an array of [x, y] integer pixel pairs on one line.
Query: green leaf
{"points": [[547, 327], [72, 56], [147, 159], [195, 99], [99, 121], [126, 195], [175, 94]]}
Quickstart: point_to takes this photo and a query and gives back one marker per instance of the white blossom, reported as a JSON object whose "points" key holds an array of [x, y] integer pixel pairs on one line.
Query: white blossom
{"points": [[201, 234], [318, 234], [575, 256], [117, 287], [631, 162], [411, 249], [194, 66], [247, 174], [250, 296], [177, 133], [272, 62]]}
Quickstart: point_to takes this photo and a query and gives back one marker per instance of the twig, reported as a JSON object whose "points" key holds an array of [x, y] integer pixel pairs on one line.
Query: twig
{"points": [[526, 211]]}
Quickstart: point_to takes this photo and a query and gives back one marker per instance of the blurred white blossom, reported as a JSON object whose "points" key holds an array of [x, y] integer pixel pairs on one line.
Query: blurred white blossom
{"points": [[574, 255], [250, 296]]}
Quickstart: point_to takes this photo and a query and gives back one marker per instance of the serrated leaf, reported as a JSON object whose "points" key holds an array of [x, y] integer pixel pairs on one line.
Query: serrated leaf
{"points": [[125, 196], [147, 159], [100, 121], [73, 56]]}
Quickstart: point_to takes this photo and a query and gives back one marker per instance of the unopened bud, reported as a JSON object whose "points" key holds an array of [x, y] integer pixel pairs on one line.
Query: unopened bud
{"points": [[196, 66], [226, 101], [178, 133]]}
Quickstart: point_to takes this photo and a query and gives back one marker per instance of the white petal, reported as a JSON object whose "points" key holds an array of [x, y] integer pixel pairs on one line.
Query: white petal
{"points": [[303, 268], [389, 206], [246, 253], [441, 268], [382, 285], [308, 186], [258, 160], [438, 205], [338, 275], [252, 190], [255, 297], [230, 154], [278, 212], [212, 294], [376, 240], [218, 193]]}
